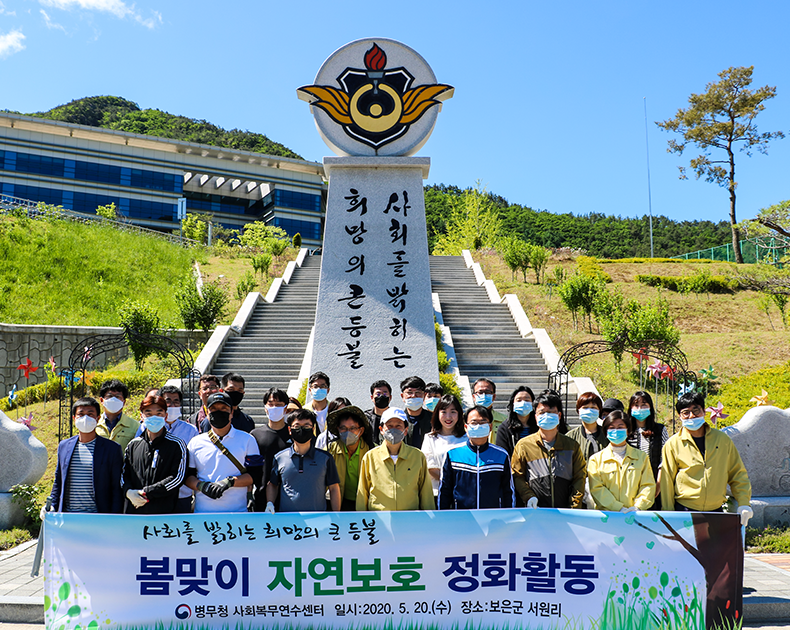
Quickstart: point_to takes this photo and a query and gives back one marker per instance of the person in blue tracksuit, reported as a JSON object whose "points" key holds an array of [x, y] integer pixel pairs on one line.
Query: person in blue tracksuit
{"points": [[476, 474]]}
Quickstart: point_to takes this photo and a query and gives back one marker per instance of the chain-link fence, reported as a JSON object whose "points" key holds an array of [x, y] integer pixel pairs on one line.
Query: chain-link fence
{"points": [[767, 250]]}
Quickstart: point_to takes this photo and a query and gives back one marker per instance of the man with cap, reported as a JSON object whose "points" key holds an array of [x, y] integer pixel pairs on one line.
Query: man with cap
{"points": [[353, 440], [302, 473], [219, 461], [394, 476], [233, 387]]}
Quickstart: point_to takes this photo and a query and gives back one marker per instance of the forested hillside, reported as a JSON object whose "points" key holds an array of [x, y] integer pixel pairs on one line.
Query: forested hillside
{"points": [[113, 112], [598, 234]]}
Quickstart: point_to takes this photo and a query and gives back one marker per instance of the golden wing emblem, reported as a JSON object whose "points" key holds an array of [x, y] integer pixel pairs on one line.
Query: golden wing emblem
{"points": [[418, 100], [333, 101]]}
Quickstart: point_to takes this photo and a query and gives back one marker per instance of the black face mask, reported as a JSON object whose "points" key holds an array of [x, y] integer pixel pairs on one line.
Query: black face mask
{"points": [[235, 397], [302, 434], [219, 419], [381, 402]]}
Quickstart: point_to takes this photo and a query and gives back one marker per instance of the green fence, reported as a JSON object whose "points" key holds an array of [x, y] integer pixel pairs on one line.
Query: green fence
{"points": [[754, 250]]}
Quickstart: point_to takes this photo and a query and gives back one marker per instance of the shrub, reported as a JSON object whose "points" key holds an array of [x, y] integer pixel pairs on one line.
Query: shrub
{"points": [[245, 285], [108, 212], [201, 311], [141, 318], [27, 497], [700, 282], [588, 266], [539, 258], [450, 387], [580, 293], [297, 241], [195, 226], [261, 263]]}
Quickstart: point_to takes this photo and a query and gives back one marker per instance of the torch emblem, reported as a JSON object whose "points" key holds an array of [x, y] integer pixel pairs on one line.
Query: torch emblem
{"points": [[375, 105]]}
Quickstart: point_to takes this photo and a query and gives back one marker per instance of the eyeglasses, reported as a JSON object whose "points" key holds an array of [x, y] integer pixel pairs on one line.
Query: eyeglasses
{"points": [[692, 412]]}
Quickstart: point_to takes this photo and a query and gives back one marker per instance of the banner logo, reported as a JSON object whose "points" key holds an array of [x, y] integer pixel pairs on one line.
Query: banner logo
{"points": [[183, 611]]}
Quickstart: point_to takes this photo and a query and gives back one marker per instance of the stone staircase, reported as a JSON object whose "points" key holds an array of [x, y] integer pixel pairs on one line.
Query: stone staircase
{"points": [[486, 340], [269, 353]]}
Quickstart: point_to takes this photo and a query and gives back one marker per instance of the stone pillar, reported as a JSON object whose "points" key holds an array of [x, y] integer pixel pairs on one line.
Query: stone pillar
{"points": [[374, 317]]}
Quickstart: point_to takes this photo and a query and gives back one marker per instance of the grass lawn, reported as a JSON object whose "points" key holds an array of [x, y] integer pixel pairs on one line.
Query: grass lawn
{"points": [[730, 332]]}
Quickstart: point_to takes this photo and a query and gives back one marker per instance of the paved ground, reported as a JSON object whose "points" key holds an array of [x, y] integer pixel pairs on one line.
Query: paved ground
{"points": [[766, 591]]}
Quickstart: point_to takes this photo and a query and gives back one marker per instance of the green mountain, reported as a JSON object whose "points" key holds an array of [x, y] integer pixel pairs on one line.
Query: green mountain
{"points": [[113, 112]]}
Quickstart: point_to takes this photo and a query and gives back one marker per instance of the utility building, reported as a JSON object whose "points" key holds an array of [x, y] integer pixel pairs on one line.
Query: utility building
{"points": [[80, 168]]}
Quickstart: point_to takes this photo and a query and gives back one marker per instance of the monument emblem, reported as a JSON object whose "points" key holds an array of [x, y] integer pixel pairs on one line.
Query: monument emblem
{"points": [[364, 111], [374, 317]]}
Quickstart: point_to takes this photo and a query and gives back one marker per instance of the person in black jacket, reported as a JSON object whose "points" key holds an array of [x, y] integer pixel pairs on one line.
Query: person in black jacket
{"points": [[154, 464]]}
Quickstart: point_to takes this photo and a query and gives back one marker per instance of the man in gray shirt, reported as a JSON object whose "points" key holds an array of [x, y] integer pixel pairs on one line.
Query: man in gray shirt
{"points": [[302, 473]]}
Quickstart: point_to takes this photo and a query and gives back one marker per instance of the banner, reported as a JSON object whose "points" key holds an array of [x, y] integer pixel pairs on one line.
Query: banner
{"points": [[523, 568]]}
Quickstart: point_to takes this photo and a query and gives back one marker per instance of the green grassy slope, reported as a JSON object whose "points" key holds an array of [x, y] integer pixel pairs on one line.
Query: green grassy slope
{"points": [[61, 273]]}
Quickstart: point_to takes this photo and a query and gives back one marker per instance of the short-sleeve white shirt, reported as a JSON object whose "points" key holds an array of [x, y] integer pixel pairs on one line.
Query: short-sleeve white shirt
{"points": [[213, 465], [435, 448]]}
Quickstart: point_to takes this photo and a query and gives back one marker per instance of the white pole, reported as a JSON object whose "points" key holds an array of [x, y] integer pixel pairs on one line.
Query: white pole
{"points": [[649, 196]]}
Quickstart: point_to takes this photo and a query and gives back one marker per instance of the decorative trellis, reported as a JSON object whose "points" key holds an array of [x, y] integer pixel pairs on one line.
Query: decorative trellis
{"points": [[85, 351], [678, 378]]}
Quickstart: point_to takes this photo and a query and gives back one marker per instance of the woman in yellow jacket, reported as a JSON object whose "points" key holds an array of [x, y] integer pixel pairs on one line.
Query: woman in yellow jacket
{"points": [[620, 476]]}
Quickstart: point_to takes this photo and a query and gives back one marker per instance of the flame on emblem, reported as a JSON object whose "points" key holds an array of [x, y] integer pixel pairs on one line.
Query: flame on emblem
{"points": [[375, 59]]}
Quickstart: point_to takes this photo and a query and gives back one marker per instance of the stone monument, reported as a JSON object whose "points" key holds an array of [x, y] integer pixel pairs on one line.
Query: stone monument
{"points": [[23, 460], [762, 437], [375, 103]]}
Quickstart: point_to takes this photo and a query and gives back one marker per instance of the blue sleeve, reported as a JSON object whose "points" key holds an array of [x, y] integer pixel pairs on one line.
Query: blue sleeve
{"points": [[446, 485], [508, 491], [116, 464], [57, 487]]}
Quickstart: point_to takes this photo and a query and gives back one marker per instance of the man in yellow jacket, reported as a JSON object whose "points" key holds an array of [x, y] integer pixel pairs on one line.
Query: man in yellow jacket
{"points": [[698, 464], [394, 476]]}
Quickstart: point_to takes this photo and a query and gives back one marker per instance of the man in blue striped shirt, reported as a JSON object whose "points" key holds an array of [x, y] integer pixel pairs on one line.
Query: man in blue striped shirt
{"points": [[88, 475]]}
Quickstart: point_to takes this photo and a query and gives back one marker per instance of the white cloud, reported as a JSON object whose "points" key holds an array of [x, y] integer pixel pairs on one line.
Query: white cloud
{"points": [[11, 43], [118, 8], [50, 24], [4, 12], [151, 22]]}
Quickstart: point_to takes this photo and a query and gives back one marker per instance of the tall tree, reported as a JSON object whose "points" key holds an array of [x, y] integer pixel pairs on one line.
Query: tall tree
{"points": [[722, 118]]}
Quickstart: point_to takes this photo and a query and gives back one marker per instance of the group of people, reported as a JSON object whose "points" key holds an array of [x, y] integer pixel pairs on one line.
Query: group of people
{"points": [[330, 455]]}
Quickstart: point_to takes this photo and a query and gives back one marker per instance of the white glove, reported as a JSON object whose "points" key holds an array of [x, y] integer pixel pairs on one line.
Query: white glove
{"points": [[628, 509], [532, 502], [43, 512], [746, 513], [135, 498], [269, 508]]}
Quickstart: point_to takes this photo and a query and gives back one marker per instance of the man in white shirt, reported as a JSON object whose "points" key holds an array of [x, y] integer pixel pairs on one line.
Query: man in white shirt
{"points": [[219, 482]]}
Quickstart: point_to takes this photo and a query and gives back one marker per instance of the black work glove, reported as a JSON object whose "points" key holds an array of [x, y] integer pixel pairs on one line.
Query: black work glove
{"points": [[212, 490]]}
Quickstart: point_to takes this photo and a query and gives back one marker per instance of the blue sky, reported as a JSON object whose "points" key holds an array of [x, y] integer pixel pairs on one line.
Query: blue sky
{"points": [[548, 107]]}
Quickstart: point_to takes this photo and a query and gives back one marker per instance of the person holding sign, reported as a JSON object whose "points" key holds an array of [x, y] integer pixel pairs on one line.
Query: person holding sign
{"points": [[219, 461], [88, 475], [302, 473], [548, 466], [154, 463], [394, 476], [476, 475], [699, 462], [620, 476]]}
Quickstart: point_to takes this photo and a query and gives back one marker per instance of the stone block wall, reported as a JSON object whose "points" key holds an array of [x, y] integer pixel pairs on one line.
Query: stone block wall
{"points": [[19, 342]]}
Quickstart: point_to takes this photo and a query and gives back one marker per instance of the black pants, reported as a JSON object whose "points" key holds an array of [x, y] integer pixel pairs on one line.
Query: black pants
{"points": [[183, 506], [683, 508]]}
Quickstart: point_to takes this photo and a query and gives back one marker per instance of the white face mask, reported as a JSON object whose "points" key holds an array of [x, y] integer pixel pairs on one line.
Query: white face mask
{"points": [[173, 414], [85, 424], [113, 405], [275, 414]]}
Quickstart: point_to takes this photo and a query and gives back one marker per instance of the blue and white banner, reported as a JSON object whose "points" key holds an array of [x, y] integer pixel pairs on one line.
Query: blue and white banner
{"points": [[539, 568]]}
